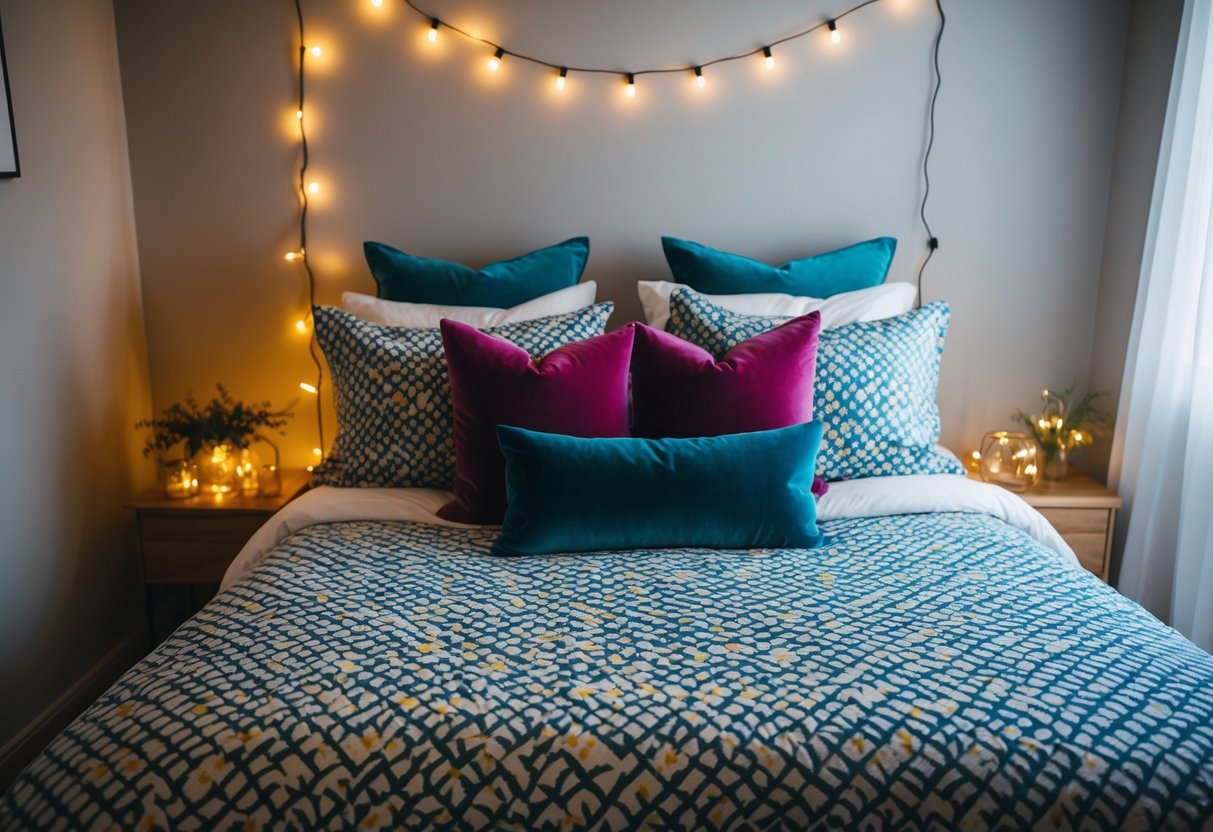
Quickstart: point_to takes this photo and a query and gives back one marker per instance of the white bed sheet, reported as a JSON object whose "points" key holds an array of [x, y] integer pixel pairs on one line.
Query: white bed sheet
{"points": [[875, 497]]}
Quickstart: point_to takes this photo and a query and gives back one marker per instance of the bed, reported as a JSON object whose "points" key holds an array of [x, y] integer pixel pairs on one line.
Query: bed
{"points": [[941, 662], [926, 654]]}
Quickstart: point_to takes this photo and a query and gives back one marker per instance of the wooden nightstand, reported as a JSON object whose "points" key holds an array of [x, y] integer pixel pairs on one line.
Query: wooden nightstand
{"points": [[1083, 511], [190, 542]]}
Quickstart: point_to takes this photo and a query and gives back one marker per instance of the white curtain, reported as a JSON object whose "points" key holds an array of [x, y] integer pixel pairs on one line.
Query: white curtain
{"points": [[1163, 448]]}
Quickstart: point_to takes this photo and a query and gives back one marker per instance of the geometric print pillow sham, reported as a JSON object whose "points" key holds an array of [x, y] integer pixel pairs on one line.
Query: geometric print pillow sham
{"points": [[393, 396], [874, 389]]}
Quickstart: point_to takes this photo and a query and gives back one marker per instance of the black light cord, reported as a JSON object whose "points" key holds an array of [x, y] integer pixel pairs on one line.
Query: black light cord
{"points": [[932, 240], [437, 21], [312, 346]]}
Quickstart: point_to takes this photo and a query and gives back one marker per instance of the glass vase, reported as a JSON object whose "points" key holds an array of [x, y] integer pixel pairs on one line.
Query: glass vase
{"points": [[1056, 465]]}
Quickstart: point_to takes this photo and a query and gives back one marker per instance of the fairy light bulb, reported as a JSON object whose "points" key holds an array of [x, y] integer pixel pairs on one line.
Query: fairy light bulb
{"points": [[768, 58], [630, 89], [317, 452], [560, 79], [316, 51], [301, 326], [377, 3], [700, 81], [299, 115], [495, 61], [432, 34], [835, 35], [313, 187], [292, 256], [307, 388]]}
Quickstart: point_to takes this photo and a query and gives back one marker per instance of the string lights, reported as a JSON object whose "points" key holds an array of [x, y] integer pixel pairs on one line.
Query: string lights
{"points": [[500, 51], [299, 255]]}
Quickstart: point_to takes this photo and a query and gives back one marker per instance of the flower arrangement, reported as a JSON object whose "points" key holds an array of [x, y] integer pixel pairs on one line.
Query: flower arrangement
{"points": [[222, 420], [1062, 426]]}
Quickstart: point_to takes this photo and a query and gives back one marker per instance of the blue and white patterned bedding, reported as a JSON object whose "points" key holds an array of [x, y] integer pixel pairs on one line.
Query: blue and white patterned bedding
{"points": [[919, 671]]}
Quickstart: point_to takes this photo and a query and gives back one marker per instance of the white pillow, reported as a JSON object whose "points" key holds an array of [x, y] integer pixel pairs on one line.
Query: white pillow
{"points": [[871, 304], [427, 315]]}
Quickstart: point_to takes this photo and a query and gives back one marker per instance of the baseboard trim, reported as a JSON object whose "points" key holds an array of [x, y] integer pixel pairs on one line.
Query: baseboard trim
{"points": [[17, 753]]}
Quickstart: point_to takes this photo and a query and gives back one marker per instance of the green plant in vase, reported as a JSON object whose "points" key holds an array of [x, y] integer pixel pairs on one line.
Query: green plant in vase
{"points": [[1062, 425], [217, 437]]}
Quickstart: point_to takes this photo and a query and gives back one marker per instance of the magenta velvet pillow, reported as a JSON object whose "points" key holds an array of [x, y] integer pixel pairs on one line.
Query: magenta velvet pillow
{"points": [[580, 389], [764, 383]]}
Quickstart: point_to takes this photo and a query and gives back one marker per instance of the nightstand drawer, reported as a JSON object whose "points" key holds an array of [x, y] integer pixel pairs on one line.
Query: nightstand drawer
{"points": [[193, 547], [1087, 531]]}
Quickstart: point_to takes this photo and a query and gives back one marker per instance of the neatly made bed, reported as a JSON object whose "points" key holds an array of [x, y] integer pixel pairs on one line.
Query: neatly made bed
{"points": [[934, 665]]}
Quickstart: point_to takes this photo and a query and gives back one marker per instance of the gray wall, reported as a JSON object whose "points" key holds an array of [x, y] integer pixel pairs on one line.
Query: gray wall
{"points": [[420, 147], [73, 374], [1149, 59]]}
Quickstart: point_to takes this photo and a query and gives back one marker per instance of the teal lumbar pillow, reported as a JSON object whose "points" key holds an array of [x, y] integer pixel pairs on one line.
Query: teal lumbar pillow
{"points": [[737, 491], [715, 272], [409, 278]]}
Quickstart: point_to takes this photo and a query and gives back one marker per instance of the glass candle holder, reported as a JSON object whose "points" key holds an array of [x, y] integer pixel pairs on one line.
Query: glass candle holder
{"points": [[271, 481], [248, 471], [180, 479], [217, 468], [1010, 460]]}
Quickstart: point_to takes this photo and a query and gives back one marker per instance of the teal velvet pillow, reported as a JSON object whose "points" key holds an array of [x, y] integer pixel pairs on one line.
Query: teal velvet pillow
{"points": [[715, 272], [738, 491], [406, 277]]}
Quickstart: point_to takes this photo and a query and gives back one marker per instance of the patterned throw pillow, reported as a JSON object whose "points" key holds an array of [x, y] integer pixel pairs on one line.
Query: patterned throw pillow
{"points": [[393, 397], [874, 390]]}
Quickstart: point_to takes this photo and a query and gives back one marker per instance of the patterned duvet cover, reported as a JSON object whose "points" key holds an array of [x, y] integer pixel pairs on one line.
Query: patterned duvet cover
{"points": [[919, 671]]}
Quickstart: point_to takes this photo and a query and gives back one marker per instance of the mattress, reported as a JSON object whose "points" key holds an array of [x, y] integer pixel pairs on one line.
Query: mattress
{"points": [[938, 669]]}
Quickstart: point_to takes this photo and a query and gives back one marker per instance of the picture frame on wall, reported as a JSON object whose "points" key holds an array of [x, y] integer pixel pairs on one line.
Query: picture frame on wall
{"points": [[10, 166]]}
